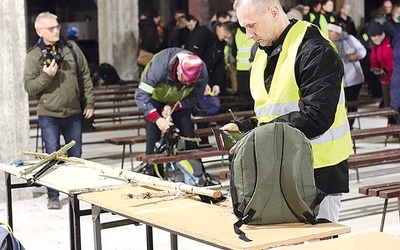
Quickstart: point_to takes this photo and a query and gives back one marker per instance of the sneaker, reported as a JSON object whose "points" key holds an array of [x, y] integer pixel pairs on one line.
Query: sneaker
{"points": [[54, 203]]}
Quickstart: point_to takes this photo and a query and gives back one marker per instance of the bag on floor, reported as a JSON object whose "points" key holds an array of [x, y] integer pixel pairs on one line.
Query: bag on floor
{"points": [[191, 172], [7, 239], [207, 106], [105, 74], [272, 178]]}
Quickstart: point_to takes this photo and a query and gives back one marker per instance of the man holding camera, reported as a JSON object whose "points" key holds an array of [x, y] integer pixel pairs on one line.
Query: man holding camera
{"points": [[57, 73]]}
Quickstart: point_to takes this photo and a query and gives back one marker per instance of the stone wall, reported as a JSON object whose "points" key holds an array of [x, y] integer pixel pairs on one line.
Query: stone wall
{"points": [[14, 113]]}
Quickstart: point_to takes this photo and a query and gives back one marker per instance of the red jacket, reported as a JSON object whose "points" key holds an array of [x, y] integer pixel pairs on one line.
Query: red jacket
{"points": [[382, 57]]}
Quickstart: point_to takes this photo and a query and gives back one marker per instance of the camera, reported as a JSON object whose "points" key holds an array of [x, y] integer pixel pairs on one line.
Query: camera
{"points": [[49, 55], [168, 142]]}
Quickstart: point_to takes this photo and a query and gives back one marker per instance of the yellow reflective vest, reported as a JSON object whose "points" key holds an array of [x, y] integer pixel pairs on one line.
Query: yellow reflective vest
{"points": [[335, 144], [243, 50]]}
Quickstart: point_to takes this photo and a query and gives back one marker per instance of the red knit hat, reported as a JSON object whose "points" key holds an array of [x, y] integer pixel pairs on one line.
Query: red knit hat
{"points": [[191, 66]]}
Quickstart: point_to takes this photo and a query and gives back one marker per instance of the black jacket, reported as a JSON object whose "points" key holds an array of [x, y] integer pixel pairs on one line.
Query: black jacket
{"points": [[204, 42], [148, 36], [319, 73]]}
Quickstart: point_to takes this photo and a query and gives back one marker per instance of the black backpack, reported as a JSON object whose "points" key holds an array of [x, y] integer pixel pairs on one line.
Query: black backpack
{"points": [[106, 74]]}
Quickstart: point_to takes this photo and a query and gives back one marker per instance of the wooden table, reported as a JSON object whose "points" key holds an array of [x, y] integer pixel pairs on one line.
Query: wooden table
{"points": [[71, 179], [191, 218], [364, 241]]}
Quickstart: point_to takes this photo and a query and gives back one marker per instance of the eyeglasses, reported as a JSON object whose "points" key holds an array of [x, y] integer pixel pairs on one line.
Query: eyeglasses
{"points": [[53, 28]]}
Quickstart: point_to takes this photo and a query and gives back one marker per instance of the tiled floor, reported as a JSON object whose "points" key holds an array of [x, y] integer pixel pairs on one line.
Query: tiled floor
{"points": [[39, 228]]}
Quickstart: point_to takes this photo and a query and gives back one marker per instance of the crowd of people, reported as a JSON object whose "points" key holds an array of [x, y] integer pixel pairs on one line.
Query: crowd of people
{"points": [[229, 58], [245, 51], [233, 53]]}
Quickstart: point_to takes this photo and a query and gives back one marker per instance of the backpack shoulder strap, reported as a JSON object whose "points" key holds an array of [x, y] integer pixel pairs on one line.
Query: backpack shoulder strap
{"points": [[294, 141], [71, 49]]}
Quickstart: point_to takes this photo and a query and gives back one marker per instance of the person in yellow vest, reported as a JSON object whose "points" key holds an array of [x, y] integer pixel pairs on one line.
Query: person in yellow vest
{"points": [[315, 9], [326, 16], [241, 49], [296, 78]]}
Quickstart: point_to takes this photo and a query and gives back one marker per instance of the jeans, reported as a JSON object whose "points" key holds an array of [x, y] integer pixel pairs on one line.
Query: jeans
{"points": [[70, 128]]}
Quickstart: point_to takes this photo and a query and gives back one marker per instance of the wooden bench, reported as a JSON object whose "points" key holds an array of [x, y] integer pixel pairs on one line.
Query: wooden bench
{"points": [[386, 112], [385, 191], [359, 103], [127, 141], [375, 112], [131, 140], [181, 155], [356, 161], [373, 132]]}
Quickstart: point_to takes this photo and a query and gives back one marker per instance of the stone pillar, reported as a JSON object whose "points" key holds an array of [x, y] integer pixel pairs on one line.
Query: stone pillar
{"points": [[14, 110], [200, 9], [118, 36], [357, 12]]}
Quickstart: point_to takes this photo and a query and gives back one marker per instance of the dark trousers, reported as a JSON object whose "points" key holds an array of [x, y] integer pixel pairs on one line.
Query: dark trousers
{"points": [[70, 128], [351, 94]]}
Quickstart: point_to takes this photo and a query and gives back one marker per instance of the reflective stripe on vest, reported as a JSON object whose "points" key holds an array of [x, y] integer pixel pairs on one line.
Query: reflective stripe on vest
{"points": [[146, 87], [227, 51], [243, 50], [335, 144]]}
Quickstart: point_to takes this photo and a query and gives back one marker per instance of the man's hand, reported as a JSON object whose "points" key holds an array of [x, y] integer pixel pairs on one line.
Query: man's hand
{"points": [[207, 90], [51, 70], [87, 113], [163, 124], [166, 111], [230, 127], [216, 90]]}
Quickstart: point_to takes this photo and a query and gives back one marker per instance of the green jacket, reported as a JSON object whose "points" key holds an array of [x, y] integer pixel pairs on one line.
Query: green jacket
{"points": [[59, 95]]}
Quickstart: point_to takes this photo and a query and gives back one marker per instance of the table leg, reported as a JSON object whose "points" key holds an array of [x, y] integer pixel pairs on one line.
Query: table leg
{"points": [[149, 237], [174, 241], [74, 222], [9, 199], [96, 210]]}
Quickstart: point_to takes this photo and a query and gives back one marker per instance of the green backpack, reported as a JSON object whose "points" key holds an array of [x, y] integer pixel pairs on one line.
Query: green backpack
{"points": [[272, 178]]}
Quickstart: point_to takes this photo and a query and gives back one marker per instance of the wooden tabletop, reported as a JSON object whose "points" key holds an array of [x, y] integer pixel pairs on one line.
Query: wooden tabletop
{"points": [[364, 241], [210, 224]]}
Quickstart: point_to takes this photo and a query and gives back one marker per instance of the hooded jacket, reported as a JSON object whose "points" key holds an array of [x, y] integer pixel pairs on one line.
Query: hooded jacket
{"points": [[159, 82]]}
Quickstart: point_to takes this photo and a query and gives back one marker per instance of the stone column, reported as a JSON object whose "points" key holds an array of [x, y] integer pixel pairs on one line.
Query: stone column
{"points": [[14, 110], [357, 12], [118, 36], [200, 9]]}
